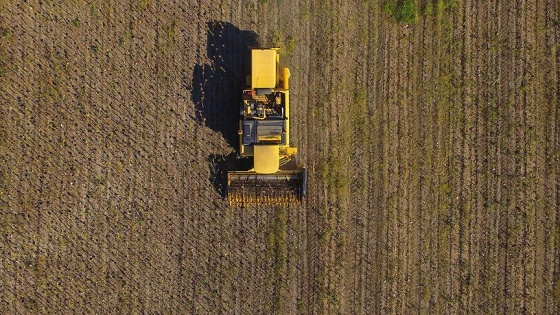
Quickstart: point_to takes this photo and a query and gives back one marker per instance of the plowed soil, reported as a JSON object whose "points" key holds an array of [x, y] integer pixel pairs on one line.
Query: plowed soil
{"points": [[433, 150]]}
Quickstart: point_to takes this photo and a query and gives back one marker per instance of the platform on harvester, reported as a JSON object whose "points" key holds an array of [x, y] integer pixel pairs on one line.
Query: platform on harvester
{"points": [[247, 188]]}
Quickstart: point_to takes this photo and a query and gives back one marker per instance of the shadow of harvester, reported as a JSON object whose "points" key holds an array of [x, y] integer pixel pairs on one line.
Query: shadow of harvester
{"points": [[216, 92], [217, 86]]}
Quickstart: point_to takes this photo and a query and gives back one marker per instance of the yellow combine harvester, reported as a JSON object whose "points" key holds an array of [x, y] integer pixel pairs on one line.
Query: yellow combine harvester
{"points": [[264, 135]]}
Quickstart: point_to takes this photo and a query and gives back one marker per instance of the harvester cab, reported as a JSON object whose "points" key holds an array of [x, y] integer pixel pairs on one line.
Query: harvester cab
{"points": [[264, 136]]}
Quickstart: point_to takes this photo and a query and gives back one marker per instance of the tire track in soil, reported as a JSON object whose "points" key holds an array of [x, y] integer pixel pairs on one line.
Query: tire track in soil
{"points": [[471, 151], [552, 150], [456, 162], [518, 152], [401, 193], [413, 127], [405, 209], [470, 162], [301, 104], [385, 172], [361, 148], [501, 223], [489, 251], [524, 134], [532, 267], [317, 194], [436, 174], [422, 144], [387, 158], [546, 171], [506, 147], [424, 115], [444, 158], [338, 243], [480, 143], [556, 148], [372, 275]]}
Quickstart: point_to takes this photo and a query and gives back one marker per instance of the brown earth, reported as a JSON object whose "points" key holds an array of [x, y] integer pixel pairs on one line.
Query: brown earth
{"points": [[433, 151]]}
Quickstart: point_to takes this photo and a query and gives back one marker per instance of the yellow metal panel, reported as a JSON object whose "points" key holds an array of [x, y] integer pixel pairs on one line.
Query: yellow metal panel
{"points": [[263, 68], [266, 159], [275, 138], [286, 78]]}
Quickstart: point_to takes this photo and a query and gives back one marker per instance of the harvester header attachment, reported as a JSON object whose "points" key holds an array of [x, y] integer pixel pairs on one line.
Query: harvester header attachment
{"points": [[247, 188], [264, 136]]}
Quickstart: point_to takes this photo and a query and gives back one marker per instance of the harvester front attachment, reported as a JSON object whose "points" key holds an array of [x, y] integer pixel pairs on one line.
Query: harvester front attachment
{"points": [[247, 188]]}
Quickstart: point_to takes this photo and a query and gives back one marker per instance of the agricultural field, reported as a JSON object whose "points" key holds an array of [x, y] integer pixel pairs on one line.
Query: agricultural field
{"points": [[430, 130]]}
